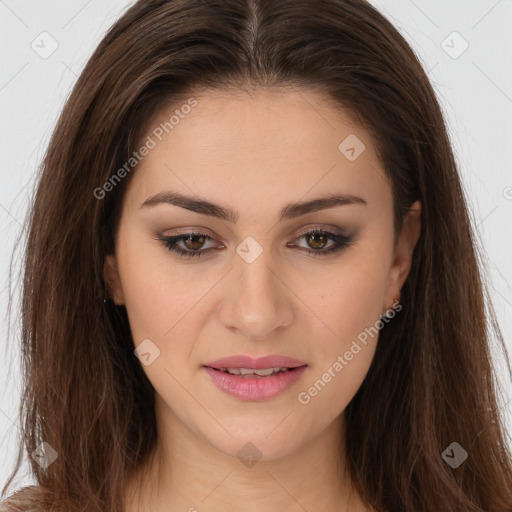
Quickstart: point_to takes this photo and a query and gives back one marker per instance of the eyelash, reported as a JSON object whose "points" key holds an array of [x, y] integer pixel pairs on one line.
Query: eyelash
{"points": [[170, 243]]}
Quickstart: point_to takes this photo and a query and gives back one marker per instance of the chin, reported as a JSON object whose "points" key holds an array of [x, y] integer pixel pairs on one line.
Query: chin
{"points": [[251, 445]]}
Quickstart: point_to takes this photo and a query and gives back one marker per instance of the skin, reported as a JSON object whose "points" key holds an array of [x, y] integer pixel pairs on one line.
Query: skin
{"points": [[255, 153]]}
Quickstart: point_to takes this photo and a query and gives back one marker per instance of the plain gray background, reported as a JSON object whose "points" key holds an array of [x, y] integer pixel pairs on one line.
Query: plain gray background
{"points": [[474, 85]]}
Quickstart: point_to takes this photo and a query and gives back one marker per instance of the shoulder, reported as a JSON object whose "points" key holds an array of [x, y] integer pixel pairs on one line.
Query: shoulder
{"points": [[23, 500]]}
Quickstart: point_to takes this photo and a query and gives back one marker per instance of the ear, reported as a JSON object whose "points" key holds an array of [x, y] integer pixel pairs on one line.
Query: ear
{"points": [[111, 276], [402, 258]]}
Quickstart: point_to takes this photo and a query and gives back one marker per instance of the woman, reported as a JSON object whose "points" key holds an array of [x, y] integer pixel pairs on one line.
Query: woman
{"points": [[251, 279]]}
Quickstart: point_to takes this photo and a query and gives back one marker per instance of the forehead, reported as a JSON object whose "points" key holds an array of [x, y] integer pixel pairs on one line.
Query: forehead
{"points": [[243, 119], [262, 142]]}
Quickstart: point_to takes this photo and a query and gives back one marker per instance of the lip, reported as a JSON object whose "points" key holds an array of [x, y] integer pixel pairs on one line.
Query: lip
{"points": [[243, 361], [254, 389]]}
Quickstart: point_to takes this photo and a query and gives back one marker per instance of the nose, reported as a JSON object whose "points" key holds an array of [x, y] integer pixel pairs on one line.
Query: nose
{"points": [[257, 302]]}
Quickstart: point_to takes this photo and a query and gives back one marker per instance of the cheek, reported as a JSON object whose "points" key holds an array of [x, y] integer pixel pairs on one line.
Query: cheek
{"points": [[350, 312], [351, 296], [164, 305], [160, 294]]}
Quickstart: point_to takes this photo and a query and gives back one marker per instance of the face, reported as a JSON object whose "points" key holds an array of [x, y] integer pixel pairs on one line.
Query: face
{"points": [[267, 271]]}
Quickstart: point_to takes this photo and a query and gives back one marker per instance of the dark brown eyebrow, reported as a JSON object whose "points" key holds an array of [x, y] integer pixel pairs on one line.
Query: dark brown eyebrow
{"points": [[290, 211]]}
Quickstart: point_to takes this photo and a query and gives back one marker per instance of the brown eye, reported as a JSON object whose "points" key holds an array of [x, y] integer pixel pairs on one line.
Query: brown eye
{"points": [[187, 245], [317, 241], [194, 242], [190, 245]]}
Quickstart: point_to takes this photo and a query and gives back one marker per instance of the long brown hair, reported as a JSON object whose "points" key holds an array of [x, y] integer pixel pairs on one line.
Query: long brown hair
{"points": [[431, 382]]}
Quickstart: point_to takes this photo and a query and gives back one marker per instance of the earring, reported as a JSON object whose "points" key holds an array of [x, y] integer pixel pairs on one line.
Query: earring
{"points": [[114, 311], [109, 301], [395, 307]]}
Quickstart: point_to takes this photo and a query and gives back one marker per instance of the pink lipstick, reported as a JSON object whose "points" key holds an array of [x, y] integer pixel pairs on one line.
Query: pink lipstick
{"points": [[253, 379]]}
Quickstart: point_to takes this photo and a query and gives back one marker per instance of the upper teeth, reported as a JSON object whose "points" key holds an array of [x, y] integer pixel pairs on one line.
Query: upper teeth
{"points": [[248, 371]]}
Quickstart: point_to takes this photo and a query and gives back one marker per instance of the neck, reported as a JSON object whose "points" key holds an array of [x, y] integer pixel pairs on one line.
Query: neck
{"points": [[192, 475]]}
